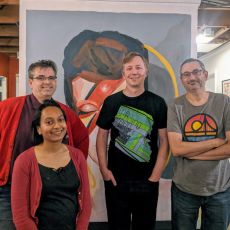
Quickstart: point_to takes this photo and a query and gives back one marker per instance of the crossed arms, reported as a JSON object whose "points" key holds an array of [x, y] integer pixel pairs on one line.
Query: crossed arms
{"points": [[213, 149]]}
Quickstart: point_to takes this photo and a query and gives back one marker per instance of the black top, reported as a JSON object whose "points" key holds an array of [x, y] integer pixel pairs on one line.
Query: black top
{"points": [[58, 206], [134, 124]]}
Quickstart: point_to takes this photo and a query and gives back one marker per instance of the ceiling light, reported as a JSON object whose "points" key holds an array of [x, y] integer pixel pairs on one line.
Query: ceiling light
{"points": [[207, 34], [203, 39]]}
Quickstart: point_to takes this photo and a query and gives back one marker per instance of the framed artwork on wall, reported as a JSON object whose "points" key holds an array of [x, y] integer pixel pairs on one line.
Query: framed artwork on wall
{"points": [[226, 87]]}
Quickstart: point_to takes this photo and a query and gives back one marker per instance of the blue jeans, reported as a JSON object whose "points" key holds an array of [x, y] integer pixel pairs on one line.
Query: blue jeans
{"points": [[131, 205], [215, 210], [6, 220]]}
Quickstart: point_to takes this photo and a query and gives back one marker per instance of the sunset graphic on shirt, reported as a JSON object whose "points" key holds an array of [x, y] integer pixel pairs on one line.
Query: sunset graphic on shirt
{"points": [[200, 127]]}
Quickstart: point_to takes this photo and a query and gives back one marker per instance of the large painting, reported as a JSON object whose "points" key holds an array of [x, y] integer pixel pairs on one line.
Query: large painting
{"points": [[88, 48]]}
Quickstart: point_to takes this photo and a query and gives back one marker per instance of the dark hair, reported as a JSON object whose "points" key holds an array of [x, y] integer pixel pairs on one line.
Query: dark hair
{"points": [[38, 139], [131, 55], [42, 64], [96, 57], [193, 60]]}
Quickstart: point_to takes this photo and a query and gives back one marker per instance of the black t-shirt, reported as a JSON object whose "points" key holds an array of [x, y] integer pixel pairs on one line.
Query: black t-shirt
{"points": [[58, 206], [134, 124]]}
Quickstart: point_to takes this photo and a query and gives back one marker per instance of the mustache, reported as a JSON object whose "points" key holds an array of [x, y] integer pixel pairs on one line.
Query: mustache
{"points": [[192, 81]]}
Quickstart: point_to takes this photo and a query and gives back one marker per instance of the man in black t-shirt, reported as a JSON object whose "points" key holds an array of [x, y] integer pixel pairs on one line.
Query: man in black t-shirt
{"points": [[132, 170]]}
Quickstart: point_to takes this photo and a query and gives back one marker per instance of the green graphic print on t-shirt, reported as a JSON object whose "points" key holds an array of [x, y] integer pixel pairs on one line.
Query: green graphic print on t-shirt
{"points": [[134, 128]]}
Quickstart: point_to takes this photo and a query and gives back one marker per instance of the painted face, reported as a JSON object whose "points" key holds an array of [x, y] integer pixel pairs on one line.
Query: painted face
{"points": [[193, 77], [89, 98], [101, 62], [135, 72], [43, 84], [52, 125]]}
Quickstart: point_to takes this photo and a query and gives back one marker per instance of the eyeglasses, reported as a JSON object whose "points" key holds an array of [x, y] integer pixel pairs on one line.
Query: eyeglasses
{"points": [[195, 72], [43, 78]]}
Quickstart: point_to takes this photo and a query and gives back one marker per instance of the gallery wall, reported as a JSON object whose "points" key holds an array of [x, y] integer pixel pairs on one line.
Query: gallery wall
{"points": [[217, 64]]}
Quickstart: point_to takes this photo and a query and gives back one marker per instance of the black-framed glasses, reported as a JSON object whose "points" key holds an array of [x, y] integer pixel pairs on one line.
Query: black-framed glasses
{"points": [[43, 78], [195, 72]]}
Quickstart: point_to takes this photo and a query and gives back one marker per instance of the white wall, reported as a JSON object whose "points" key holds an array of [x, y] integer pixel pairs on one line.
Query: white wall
{"points": [[217, 63]]}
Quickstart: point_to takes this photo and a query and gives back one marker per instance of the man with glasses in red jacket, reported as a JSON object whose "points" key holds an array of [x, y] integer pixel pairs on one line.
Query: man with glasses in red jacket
{"points": [[16, 116]]}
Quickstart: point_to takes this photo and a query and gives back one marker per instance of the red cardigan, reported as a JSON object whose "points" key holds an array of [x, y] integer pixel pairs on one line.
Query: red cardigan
{"points": [[10, 112], [27, 187]]}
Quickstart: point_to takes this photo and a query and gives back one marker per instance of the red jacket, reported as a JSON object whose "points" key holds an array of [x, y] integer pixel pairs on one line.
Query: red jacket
{"points": [[10, 112], [26, 190]]}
